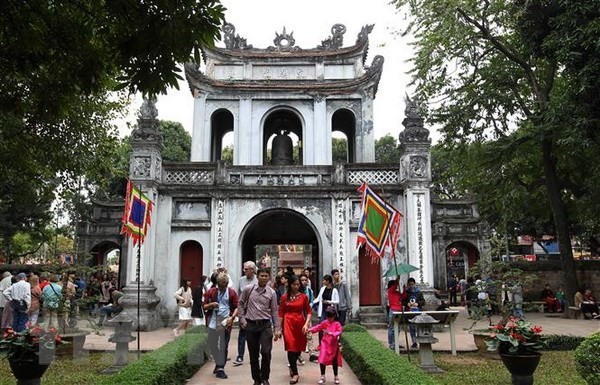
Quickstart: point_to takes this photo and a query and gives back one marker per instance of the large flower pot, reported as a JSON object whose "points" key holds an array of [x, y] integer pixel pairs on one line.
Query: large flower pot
{"points": [[521, 367], [27, 371]]}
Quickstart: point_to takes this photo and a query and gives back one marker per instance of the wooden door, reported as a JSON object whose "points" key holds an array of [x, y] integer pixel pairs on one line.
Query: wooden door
{"points": [[191, 262], [369, 280]]}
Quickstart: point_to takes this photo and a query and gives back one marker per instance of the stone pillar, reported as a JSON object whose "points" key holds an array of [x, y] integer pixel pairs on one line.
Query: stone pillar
{"points": [[415, 176], [145, 172], [247, 147], [319, 138], [365, 146], [201, 139]]}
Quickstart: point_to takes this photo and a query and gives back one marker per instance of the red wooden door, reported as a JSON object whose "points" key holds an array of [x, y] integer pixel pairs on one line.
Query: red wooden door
{"points": [[369, 280], [191, 262]]}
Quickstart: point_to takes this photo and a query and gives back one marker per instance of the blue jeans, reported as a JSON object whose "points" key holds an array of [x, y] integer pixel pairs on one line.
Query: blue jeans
{"points": [[218, 341], [391, 335], [20, 316], [241, 344]]}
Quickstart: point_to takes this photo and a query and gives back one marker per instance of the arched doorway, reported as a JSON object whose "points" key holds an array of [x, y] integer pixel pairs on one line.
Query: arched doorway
{"points": [[343, 121], [108, 255], [221, 122], [278, 238], [461, 256], [190, 263]]}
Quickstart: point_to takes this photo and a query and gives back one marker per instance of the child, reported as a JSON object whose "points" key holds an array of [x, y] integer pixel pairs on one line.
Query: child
{"points": [[329, 353]]}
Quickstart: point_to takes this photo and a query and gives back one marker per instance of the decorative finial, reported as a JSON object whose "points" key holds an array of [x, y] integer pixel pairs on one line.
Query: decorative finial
{"points": [[411, 110], [363, 35], [233, 41], [336, 40], [284, 41], [148, 109]]}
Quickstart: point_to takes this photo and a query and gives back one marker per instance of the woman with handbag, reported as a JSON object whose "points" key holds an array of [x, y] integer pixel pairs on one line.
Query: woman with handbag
{"points": [[184, 302]]}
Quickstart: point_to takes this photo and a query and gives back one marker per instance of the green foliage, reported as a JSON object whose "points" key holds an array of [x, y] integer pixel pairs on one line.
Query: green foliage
{"points": [[373, 363], [339, 150], [587, 359], [177, 142], [387, 150], [350, 328], [227, 154], [560, 343], [173, 363]]}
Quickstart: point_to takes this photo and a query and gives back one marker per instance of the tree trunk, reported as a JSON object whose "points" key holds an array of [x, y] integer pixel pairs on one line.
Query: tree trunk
{"points": [[561, 220]]}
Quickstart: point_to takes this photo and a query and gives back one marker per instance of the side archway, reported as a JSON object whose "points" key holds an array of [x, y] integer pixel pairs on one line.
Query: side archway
{"points": [[190, 262], [221, 123]]}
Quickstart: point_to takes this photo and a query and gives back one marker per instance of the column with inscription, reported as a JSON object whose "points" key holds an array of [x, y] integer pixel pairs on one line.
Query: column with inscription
{"points": [[415, 176]]}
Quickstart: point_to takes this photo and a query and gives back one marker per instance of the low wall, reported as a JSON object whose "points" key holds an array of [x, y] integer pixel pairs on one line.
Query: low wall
{"points": [[588, 274]]}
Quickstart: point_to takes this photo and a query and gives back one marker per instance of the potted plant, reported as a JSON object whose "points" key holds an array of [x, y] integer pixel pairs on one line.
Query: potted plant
{"points": [[519, 343], [29, 352]]}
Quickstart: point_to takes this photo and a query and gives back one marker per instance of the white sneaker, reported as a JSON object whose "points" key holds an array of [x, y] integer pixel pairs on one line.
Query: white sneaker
{"points": [[176, 332], [322, 380]]}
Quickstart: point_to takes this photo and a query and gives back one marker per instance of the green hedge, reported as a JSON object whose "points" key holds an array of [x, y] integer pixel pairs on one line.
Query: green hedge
{"points": [[558, 342], [587, 359], [373, 363], [173, 363]]}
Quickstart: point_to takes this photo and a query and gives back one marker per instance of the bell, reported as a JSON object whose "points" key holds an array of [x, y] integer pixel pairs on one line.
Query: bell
{"points": [[282, 152]]}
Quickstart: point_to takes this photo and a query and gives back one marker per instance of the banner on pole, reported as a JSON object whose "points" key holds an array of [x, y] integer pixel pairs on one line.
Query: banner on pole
{"points": [[379, 225], [137, 214]]}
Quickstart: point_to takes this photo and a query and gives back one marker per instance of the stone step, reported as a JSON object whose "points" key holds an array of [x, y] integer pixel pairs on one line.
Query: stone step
{"points": [[372, 317], [371, 309], [374, 325]]}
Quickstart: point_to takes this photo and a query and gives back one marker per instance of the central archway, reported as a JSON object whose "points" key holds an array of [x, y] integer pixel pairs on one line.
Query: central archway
{"points": [[277, 238]]}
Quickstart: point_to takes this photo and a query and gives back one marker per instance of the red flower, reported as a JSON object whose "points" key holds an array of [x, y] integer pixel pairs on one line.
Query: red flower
{"points": [[498, 327], [537, 329]]}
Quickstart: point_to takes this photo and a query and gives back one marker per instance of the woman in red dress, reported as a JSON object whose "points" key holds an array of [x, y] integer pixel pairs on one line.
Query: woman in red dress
{"points": [[294, 318]]}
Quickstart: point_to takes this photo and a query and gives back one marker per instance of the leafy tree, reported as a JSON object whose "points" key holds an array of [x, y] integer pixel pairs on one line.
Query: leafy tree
{"points": [[227, 154], [387, 150], [509, 70], [60, 63], [339, 150], [177, 142]]}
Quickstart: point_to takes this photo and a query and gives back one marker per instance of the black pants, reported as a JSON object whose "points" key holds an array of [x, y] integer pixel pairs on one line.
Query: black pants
{"points": [[334, 365], [218, 341], [259, 338], [293, 361], [453, 299]]}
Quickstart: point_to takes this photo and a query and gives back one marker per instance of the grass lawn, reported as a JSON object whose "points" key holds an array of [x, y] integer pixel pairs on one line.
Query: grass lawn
{"points": [[66, 371], [471, 368]]}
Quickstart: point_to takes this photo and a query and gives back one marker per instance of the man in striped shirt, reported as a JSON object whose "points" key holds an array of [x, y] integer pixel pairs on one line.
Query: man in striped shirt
{"points": [[258, 312]]}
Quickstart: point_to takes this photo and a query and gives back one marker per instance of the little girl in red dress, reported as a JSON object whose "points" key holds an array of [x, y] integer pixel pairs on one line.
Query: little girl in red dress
{"points": [[329, 353]]}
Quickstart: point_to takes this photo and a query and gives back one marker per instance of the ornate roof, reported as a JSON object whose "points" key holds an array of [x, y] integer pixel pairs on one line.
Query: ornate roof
{"points": [[237, 50]]}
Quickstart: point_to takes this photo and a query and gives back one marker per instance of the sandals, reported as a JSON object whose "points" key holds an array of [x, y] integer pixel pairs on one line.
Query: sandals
{"points": [[322, 380]]}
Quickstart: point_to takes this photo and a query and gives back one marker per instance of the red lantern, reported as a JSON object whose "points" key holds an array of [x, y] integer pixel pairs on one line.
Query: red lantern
{"points": [[454, 252]]}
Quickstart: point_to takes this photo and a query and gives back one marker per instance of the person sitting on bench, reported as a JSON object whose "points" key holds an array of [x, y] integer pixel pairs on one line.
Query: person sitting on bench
{"points": [[587, 303], [552, 303]]}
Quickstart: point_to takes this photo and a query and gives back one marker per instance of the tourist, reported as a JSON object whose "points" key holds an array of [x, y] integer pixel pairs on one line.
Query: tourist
{"points": [[19, 296], [328, 295], [329, 347], [308, 273], [4, 284], [345, 303], [258, 313], [452, 288], [552, 303], [280, 286], [562, 297], [307, 290], [413, 300], [51, 302], [517, 297], [221, 306], [198, 301], [36, 299], [248, 279], [463, 286], [441, 305], [113, 308], [294, 321], [183, 295], [587, 303], [395, 303]]}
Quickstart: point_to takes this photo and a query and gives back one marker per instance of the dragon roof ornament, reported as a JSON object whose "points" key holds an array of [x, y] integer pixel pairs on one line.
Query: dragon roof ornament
{"points": [[233, 41], [336, 40], [284, 42]]}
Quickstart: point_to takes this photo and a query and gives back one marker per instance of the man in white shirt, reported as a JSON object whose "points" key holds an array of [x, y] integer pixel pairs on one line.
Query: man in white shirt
{"points": [[19, 295], [4, 284], [248, 279]]}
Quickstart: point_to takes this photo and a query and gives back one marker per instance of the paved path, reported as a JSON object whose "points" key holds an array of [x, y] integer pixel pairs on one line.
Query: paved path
{"points": [[309, 373]]}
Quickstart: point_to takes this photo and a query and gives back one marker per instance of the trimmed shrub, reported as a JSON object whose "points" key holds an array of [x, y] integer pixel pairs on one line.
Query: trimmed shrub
{"points": [[354, 328], [587, 359], [173, 363], [373, 363], [558, 342]]}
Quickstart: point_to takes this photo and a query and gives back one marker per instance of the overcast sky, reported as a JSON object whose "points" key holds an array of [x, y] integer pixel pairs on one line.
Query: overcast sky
{"points": [[311, 21]]}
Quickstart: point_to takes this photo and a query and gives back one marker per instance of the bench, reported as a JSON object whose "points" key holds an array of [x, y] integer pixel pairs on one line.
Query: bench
{"points": [[539, 306], [573, 312], [446, 317]]}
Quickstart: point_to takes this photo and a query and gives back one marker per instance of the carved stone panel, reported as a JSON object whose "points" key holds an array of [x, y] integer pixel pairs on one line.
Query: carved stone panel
{"points": [[192, 210], [141, 167], [291, 72], [418, 167]]}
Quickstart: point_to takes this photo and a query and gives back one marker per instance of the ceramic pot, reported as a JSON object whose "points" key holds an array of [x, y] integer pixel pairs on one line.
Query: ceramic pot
{"points": [[521, 367], [28, 371]]}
